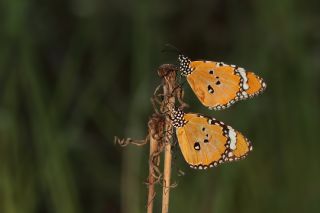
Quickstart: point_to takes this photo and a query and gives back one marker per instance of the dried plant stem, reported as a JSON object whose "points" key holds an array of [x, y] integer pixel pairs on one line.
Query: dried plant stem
{"points": [[168, 105], [160, 135], [166, 179], [153, 149], [160, 131]]}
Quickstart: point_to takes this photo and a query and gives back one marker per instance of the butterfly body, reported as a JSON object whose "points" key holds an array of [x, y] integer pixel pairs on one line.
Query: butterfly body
{"points": [[206, 142], [218, 85]]}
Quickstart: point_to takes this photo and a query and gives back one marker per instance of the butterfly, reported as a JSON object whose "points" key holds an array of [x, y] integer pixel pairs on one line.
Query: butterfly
{"points": [[206, 142], [218, 85]]}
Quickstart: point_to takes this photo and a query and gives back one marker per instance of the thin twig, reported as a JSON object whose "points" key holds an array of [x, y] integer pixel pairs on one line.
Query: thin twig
{"points": [[168, 72], [151, 179], [155, 128]]}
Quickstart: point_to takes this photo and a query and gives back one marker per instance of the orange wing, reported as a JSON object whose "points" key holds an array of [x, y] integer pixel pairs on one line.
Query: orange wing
{"points": [[206, 142], [256, 84], [218, 85]]}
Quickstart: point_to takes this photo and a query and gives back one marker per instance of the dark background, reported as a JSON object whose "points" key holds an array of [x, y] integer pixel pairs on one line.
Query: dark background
{"points": [[73, 74]]}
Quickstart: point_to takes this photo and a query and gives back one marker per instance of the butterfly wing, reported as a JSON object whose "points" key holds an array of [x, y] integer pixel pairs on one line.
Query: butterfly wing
{"points": [[218, 85], [256, 84], [206, 142]]}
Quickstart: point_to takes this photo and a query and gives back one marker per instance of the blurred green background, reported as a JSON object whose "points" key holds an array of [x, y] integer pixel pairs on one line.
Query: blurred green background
{"points": [[73, 74]]}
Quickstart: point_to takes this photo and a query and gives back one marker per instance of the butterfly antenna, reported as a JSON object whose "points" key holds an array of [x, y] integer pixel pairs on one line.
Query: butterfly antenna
{"points": [[170, 48]]}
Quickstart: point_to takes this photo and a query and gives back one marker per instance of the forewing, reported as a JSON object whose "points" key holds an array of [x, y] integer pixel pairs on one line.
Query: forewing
{"points": [[214, 85], [218, 85]]}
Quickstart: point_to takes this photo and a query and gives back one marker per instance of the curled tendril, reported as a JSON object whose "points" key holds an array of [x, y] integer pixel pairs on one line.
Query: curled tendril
{"points": [[126, 141]]}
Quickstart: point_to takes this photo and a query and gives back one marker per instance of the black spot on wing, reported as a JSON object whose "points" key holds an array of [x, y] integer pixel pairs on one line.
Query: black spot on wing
{"points": [[210, 89], [196, 146]]}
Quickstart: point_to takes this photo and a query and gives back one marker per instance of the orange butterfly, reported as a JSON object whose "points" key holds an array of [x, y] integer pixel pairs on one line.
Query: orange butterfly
{"points": [[218, 85], [206, 142]]}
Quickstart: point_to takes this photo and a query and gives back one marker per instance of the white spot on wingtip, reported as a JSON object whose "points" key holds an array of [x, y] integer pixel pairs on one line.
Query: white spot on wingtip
{"points": [[233, 138], [243, 75], [210, 121], [264, 85]]}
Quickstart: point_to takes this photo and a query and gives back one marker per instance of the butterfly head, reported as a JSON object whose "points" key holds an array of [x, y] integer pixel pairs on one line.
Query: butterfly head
{"points": [[177, 118], [184, 65]]}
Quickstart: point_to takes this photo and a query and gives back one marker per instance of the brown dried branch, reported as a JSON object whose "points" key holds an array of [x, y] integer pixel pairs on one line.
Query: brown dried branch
{"points": [[168, 72], [160, 133], [126, 141], [156, 125]]}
